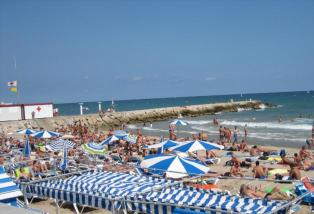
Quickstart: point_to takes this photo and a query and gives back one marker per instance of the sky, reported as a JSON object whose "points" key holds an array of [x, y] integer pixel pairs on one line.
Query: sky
{"points": [[74, 50]]}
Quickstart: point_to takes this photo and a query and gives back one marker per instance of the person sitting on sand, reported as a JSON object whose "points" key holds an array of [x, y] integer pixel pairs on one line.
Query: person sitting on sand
{"points": [[210, 154], [233, 147], [243, 146], [259, 171], [254, 151], [297, 160], [294, 173], [275, 194], [304, 153], [235, 170], [235, 160]]}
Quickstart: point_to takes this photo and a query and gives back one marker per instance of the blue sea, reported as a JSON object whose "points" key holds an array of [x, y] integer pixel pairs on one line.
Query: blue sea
{"points": [[296, 110]]}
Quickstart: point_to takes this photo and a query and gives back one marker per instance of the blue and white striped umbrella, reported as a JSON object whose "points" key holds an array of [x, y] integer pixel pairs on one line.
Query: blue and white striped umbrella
{"points": [[26, 131], [120, 134], [45, 134], [165, 144], [196, 145], [179, 122], [109, 140], [174, 166], [27, 149], [58, 145], [64, 164]]}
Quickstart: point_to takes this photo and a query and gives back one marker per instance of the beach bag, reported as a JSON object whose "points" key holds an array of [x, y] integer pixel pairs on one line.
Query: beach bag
{"points": [[229, 163], [243, 164], [282, 153]]}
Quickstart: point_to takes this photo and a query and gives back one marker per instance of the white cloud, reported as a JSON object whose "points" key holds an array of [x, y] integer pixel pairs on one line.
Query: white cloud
{"points": [[210, 78], [137, 78]]}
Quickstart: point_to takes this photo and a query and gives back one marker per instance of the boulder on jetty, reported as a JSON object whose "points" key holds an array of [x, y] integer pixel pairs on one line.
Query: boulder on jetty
{"points": [[116, 119]]}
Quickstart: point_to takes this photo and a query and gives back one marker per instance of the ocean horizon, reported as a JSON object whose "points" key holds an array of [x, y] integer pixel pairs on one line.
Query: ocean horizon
{"points": [[289, 123]]}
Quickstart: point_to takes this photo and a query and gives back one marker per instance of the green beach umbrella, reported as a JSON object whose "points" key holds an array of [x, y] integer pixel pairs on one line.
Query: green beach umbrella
{"points": [[94, 149]]}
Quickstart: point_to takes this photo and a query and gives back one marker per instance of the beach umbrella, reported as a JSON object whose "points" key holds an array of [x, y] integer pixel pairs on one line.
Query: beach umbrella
{"points": [[27, 149], [178, 122], [59, 144], [45, 134], [26, 131], [196, 145], [131, 138], [94, 148], [165, 144], [109, 140], [64, 164], [120, 134], [174, 166]]}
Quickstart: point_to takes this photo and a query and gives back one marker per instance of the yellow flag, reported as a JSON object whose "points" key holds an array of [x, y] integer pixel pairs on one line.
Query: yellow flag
{"points": [[13, 89]]}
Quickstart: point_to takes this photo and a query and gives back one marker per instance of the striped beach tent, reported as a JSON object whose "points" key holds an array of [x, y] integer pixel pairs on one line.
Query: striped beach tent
{"points": [[9, 191]]}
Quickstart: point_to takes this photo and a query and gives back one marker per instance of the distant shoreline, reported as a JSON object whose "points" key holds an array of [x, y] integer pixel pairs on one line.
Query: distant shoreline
{"points": [[116, 119]]}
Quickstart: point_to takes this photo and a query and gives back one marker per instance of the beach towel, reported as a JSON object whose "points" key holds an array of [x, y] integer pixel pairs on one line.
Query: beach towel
{"points": [[277, 171], [274, 158]]}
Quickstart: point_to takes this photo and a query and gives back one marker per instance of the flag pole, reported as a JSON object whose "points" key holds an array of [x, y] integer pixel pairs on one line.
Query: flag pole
{"points": [[17, 82]]}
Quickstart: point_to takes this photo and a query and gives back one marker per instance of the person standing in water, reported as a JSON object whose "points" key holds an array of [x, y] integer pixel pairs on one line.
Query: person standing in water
{"points": [[235, 134], [245, 131], [313, 131]]}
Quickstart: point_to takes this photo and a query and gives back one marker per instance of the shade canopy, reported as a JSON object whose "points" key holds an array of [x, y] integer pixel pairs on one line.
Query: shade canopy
{"points": [[196, 145], [26, 131], [58, 145], [109, 140], [45, 134], [165, 144], [94, 148], [174, 166], [120, 134], [179, 122]]}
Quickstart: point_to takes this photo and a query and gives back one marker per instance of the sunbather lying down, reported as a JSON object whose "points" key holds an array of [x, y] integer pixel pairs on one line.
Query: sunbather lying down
{"points": [[275, 194]]}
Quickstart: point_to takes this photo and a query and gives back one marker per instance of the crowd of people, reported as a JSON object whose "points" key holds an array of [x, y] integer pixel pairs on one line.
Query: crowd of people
{"points": [[43, 162]]}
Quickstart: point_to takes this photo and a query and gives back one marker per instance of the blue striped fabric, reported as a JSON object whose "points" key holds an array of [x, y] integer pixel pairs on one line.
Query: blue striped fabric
{"points": [[8, 189], [58, 145], [107, 185], [109, 190], [199, 199]]}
